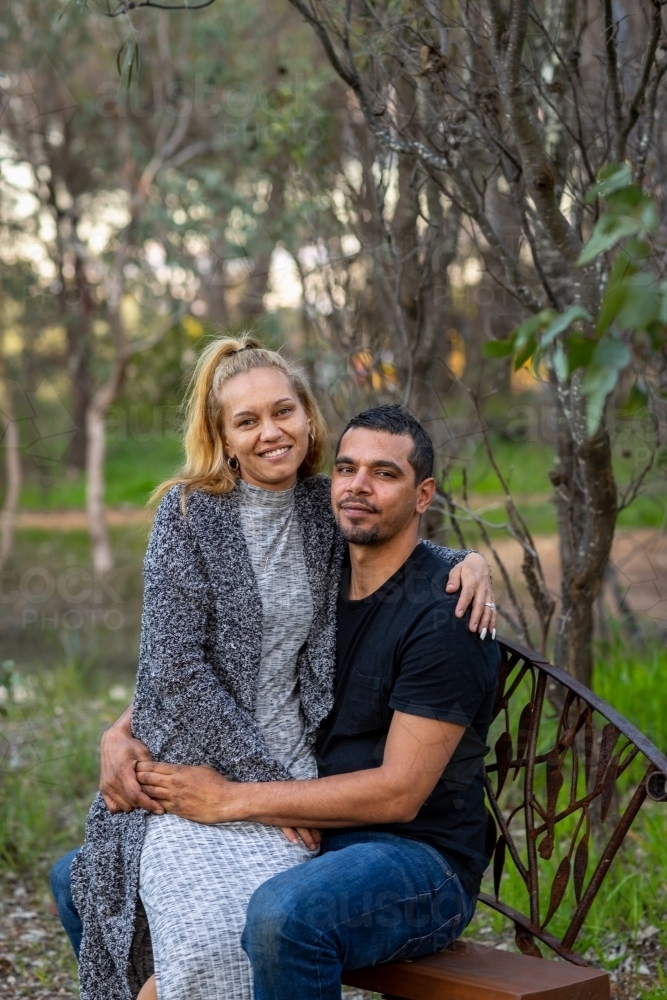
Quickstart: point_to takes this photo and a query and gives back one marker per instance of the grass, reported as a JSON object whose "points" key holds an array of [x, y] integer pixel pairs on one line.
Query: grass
{"points": [[49, 734]]}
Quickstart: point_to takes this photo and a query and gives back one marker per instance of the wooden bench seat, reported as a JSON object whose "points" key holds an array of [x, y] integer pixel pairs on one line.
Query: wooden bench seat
{"points": [[546, 772], [470, 971]]}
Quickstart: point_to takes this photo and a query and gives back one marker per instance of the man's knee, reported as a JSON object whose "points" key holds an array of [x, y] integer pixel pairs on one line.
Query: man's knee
{"points": [[280, 915], [266, 919]]}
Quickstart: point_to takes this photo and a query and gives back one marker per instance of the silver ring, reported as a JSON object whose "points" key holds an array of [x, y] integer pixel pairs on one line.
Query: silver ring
{"points": [[492, 606]]}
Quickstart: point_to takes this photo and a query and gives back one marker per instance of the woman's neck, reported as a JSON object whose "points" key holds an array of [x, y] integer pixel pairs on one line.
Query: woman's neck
{"points": [[275, 487]]}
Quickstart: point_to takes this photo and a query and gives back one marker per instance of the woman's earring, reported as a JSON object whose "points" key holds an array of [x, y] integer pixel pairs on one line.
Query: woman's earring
{"points": [[311, 437], [233, 463]]}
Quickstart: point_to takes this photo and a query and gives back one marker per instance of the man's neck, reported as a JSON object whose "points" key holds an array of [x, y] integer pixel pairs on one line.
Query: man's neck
{"points": [[373, 565]]}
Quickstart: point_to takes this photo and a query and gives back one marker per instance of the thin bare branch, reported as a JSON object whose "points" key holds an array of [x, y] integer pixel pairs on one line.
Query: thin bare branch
{"points": [[631, 491], [532, 567], [650, 118], [611, 56], [645, 76], [438, 162], [125, 8], [522, 628]]}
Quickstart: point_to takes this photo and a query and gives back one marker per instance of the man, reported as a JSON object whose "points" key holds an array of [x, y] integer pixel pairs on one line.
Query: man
{"points": [[400, 794]]}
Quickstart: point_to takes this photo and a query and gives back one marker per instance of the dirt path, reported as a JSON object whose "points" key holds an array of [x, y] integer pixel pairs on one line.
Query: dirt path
{"points": [[75, 520]]}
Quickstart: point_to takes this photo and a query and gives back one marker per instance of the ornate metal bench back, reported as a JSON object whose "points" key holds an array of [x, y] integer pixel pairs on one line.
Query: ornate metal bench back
{"points": [[554, 767]]}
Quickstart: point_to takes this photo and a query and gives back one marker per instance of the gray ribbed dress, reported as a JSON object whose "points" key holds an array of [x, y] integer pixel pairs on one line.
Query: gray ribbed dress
{"points": [[196, 880]]}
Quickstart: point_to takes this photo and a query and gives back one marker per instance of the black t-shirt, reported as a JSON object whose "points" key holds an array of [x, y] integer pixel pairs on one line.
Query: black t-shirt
{"points": [[402, 648]]}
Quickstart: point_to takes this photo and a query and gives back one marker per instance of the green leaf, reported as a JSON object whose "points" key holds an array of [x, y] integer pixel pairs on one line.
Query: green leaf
{"points": [[611, 178], [636, 400], [662, 312], [563, 322], [498, 348], [530, 326], [628, 261], [611, 353], [525, 352], [641, 304], [560, 363], [128, 60], [649, 216], [606, 234], [626, 201], [610, 357], [580, 352], [597, 385], [637, 250], [611, 303]]}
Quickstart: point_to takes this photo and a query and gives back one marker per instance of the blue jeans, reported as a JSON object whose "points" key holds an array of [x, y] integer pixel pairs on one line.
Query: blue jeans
{"points": [[368, 898], [62, 894]]}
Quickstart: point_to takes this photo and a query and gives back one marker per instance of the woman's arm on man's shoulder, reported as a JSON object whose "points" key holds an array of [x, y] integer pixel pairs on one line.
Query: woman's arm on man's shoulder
{"points": [[471, 574]]}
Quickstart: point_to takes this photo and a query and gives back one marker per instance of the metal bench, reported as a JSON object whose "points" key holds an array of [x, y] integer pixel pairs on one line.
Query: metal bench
{"points": [[561, 757]]}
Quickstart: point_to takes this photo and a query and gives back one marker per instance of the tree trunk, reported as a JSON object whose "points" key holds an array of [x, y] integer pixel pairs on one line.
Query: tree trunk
{"points": [[252, 307], [95, 456], [78, 344], [13, 472], [76, 453], [586, 503]]}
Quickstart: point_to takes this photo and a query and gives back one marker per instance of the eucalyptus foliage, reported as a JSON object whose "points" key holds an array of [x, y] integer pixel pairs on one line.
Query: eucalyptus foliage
{"points": [[632, 318]]}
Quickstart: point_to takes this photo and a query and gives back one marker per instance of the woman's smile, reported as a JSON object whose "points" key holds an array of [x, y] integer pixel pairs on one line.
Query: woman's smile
{"points": [[275, 454]]}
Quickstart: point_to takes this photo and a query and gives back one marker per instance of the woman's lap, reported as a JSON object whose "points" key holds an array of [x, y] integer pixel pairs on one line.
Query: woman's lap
{"points": [[195, 884]]}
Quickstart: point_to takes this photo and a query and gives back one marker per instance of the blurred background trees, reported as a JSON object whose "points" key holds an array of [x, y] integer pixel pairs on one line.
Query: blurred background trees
{"points": [[383, 189]]}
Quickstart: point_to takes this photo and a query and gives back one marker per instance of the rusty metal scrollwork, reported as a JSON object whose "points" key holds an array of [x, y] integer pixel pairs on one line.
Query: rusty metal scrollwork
{"points": [[541, 793]]}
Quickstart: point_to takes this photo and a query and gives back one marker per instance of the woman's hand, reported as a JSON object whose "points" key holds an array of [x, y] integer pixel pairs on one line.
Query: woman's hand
{"points": [[311, 838], [473, 577], [119, 753], [201, 794]]}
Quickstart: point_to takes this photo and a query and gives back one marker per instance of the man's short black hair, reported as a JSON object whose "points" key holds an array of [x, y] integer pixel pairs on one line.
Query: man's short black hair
{"points": [[397, 419]]}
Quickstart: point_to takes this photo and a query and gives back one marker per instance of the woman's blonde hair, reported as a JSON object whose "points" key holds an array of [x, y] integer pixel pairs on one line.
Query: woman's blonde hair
{"points": [[206, 463]]}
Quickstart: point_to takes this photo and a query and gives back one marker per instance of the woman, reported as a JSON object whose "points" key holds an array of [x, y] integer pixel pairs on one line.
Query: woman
{"points": [[236, 671]]}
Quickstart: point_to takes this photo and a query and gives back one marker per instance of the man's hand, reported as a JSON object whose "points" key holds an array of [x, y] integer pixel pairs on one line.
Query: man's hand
{"points": [[197, 793], [473, 576], [120, 753], [191, 792]]}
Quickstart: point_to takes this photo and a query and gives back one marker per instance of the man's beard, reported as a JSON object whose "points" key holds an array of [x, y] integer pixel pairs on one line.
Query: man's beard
{"points": [[381, 531], [361, 536]]}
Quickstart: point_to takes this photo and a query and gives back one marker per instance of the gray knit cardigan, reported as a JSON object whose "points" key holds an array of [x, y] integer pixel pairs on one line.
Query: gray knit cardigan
{"points": [[201, 641]]}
